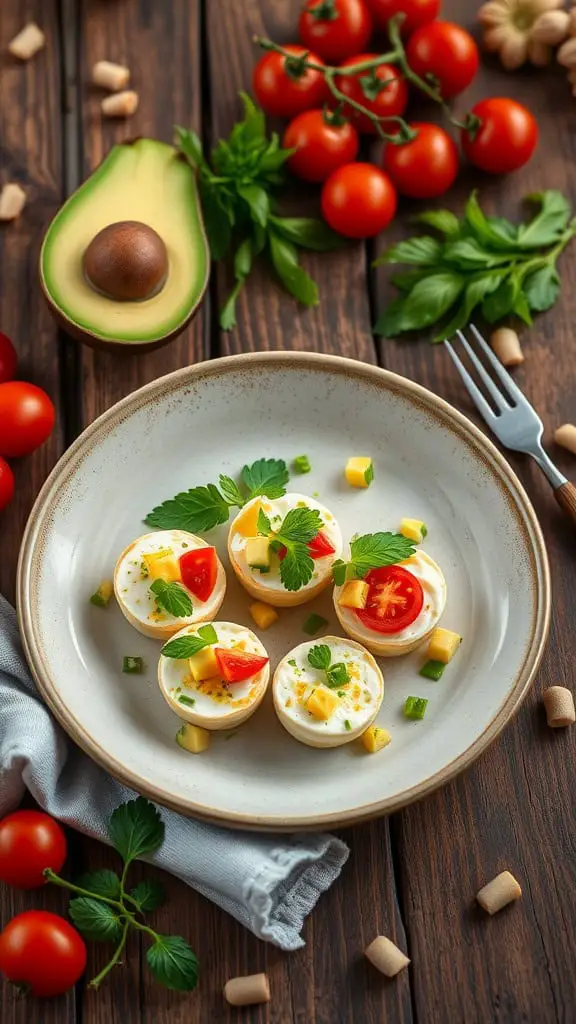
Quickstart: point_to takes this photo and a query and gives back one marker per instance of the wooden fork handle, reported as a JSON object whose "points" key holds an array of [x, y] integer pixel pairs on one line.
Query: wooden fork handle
{"points": [[566, 498]]}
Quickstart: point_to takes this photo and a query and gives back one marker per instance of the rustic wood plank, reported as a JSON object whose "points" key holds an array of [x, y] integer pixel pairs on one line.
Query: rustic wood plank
{"points": [[327, 981], [517, 800], [30, 153]]}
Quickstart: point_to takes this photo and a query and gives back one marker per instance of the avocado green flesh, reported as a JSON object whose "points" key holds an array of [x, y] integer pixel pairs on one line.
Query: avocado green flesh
{"points": [[144, 181]]}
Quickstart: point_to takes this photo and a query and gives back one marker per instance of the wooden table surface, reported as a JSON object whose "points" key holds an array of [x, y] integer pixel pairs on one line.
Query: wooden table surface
{"points": [[413, 876]]}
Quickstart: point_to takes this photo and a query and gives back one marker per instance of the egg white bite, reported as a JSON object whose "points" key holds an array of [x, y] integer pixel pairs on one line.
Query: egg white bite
{"points": [[321, 711], [159, 556], [263, 580], [386, 599], [212, 702]]}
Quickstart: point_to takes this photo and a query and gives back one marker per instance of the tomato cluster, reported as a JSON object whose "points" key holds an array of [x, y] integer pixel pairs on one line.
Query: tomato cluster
{"points": [[329, 111], [26, 417]]}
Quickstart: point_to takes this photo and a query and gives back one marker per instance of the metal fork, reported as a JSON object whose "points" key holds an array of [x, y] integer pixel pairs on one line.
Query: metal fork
{"points": [[516, 423]]}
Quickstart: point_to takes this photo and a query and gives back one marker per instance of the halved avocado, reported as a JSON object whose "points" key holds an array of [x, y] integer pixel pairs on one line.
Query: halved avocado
{"points": [[144, 194]]}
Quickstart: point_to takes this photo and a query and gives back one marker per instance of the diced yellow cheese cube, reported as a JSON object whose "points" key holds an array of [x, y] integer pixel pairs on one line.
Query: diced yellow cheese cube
{"points": [[193, 739], [443, 645], [359, 471], [162, 565], [375, 738], [263, 615], [247, 524], [258, 552], [102, 596], [413, 529], [354, 594], [204, 665], [322, 703]]}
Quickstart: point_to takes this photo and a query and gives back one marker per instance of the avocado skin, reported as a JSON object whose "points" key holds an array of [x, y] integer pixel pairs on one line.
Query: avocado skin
{"points": [[121, 345]]}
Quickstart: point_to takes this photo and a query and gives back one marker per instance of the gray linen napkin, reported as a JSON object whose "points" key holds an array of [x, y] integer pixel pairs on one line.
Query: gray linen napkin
{"points": [[268, 883]]}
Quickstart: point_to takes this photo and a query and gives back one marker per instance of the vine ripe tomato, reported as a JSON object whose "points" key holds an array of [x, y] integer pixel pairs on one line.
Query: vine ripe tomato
{"points": [[26, 418], [425, 167], [445, 51], [506, 138], [395, 599], [6, 484], [358, 200], [8, 359], [382, 91], [43, 952], [323, 142], [416, 13], [30, 841], [335, 29], [283, 89]]}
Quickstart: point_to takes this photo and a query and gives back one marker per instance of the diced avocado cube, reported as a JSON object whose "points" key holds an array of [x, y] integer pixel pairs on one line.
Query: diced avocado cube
{"points": [[193, 739], [258, 552]]}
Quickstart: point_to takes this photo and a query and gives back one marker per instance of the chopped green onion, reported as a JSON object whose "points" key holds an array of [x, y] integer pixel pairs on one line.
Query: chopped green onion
{"points": [[314, 623], [341, 693], [293, 663], [433, 670], [347, 726], [189, 702], [415, 707], [337, 675], [301, 464], [263, 569], [369, 474], [134, 666], [424, 530]]}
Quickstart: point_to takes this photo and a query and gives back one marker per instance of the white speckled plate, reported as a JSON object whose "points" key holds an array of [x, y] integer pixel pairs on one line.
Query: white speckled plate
{"points": [[185, 429]]}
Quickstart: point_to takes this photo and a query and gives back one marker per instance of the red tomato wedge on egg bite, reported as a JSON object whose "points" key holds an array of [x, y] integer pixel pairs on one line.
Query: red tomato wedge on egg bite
{"points": [[236, 666], [318, 547], [199, 569]]}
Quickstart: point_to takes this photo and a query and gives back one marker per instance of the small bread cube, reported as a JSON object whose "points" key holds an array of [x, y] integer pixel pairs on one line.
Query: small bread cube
{"points": [[28, 42], [193, 739], [258, 552], [110, 76], [443, 645], [322, 703], [162, 565], [413, 529], [359, 471], [12, 201], [264, 616], [204, 665], [375, 738], [120, 104], [354, 594]]}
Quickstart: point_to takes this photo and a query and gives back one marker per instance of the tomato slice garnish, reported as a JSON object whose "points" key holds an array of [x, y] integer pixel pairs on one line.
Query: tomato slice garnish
{"points": [[395, 600], [318, 547], [199, 569], [236, 666]]}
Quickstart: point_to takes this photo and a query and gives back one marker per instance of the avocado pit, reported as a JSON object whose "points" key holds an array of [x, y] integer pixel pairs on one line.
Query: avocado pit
{"points": [[126, 261]]}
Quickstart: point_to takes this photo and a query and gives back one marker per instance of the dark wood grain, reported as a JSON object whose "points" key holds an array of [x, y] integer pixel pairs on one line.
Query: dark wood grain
{"points": [[516, 802]]}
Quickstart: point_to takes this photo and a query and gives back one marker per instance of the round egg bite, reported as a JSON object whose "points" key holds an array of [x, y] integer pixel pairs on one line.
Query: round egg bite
{"points": [[263, 581], [390, 645], [157, 556], [316, 708], [211, 702]]}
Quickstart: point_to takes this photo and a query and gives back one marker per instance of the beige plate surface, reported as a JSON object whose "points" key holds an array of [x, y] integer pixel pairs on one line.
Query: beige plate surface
{"points": [[183, 430]]}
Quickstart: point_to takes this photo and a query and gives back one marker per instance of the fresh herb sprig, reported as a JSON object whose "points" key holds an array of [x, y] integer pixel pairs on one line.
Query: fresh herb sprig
{"points": [[202, 508], [320, 657], [237, 192], [297, 529], [187, 646], [372, 551], [172, 597], [105, 909], [479, 261]]}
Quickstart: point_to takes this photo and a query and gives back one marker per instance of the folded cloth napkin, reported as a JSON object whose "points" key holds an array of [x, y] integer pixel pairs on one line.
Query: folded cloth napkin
{"points": [[269, 883]]}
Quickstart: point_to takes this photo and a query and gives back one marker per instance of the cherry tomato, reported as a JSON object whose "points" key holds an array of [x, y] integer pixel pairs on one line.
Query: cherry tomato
{"points": [[358, 200], [236, 666], [323, 142], [26, 418], [417, 13], [395, 600], [445, 51], [425, 167], [335, 29], [506, 138], [43, 952], [382, 91], [320, 546], [199, 569], [6, 484], [29, 842], [8, 358], [283, 91]]}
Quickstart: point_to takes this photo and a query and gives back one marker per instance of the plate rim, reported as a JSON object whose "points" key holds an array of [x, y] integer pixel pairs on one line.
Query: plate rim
{"points": [[465, 429]]}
